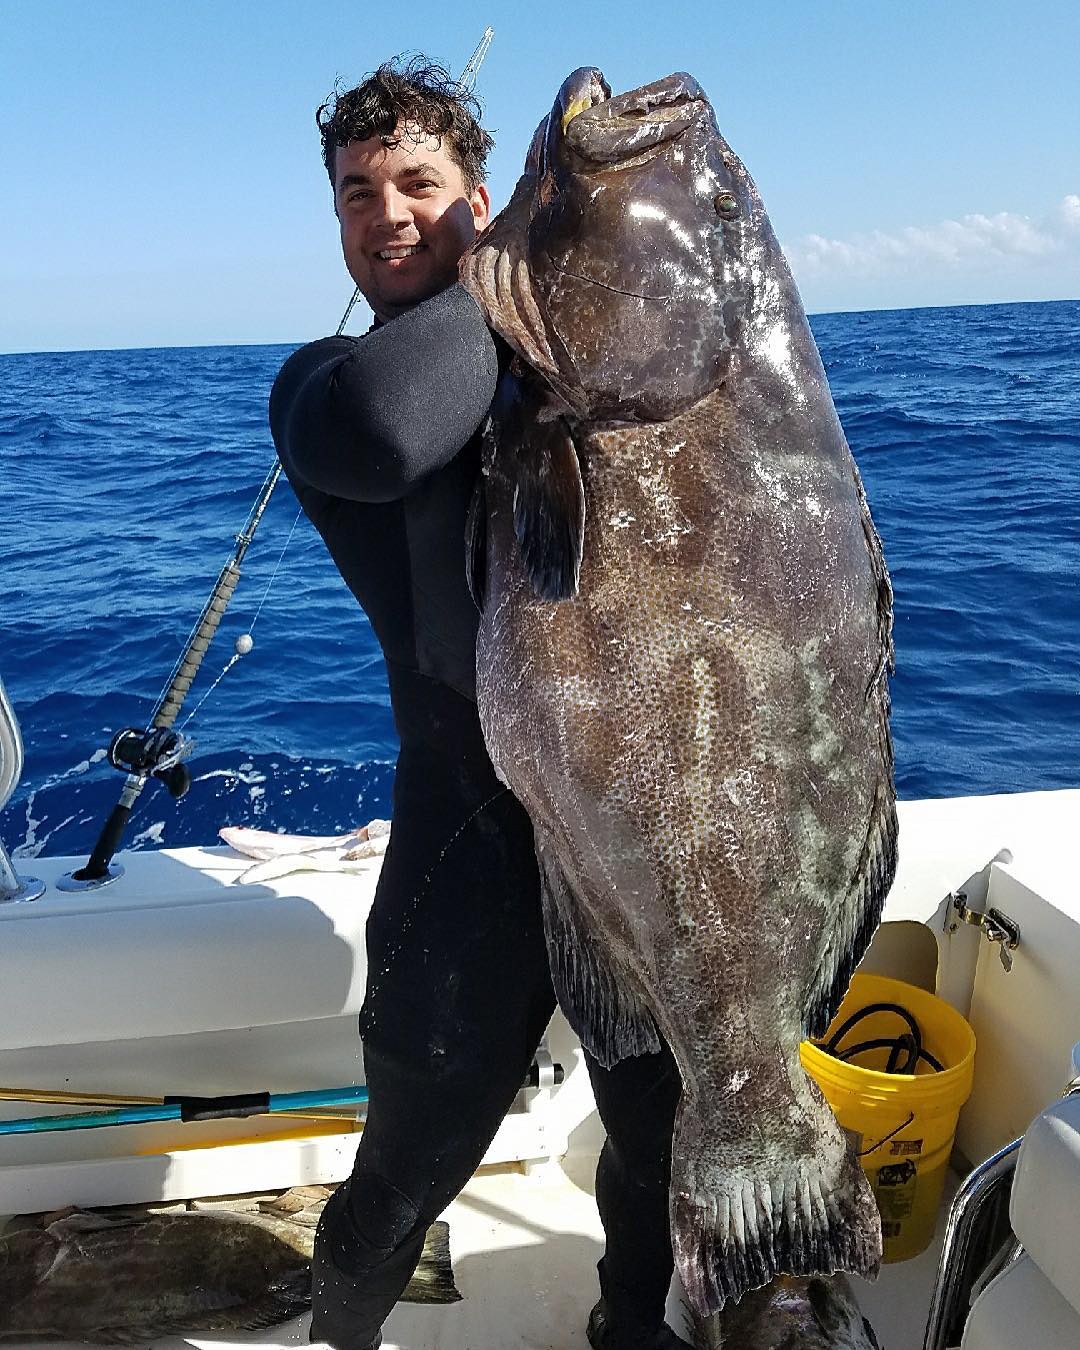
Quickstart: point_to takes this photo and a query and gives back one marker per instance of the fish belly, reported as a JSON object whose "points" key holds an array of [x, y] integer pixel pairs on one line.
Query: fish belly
{"points": [[703, 750]]}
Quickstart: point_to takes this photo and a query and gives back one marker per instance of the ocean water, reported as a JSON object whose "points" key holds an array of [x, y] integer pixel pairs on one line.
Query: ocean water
{"points": [[125, 476]]}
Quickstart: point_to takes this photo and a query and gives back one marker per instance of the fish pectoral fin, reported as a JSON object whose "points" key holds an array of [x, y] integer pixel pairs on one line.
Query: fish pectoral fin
{"points": [[288, 1297], [610, 1020], [549, 505], [476, 546]]}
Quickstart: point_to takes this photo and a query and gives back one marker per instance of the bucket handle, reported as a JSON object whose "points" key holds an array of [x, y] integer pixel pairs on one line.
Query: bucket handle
{"points": [[865, 1152]]}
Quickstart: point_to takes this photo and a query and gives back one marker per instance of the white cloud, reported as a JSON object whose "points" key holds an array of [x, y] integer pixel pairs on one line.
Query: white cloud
{"points": [[951, 248]]}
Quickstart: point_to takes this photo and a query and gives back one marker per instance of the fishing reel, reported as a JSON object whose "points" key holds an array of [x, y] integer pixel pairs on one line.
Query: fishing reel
{"points": [[153, 754]]}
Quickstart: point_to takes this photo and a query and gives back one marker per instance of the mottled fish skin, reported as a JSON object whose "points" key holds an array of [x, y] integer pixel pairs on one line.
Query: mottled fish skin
{"points": [[118, 1281], [122, 1277], [791, 1314], [699, 732]]}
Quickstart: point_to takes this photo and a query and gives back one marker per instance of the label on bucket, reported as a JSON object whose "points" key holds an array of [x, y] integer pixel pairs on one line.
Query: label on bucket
{"points": [[895, 1190], [901, 1148]]}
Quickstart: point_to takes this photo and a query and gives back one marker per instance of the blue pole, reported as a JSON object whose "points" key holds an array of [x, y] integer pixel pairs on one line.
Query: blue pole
{"points": [[259, 1104]]}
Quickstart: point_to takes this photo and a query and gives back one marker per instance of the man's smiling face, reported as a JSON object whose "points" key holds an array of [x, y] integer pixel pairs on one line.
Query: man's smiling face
{"points": [[406, 217]]}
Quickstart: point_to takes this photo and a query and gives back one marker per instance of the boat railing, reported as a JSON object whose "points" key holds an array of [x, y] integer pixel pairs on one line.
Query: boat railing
{"points": [[12, 887], [982, 1198]]}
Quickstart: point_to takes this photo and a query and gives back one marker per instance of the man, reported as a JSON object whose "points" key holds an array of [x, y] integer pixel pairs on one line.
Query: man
{"points": [[380, 439]]}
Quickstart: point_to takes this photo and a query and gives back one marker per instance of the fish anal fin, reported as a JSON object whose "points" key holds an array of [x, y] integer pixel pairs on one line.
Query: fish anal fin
{"points": [[610, 1020], [860, 913]]}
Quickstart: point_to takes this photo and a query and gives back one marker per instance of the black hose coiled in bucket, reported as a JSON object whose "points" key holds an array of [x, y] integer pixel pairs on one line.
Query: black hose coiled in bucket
{"points": [[908, 1044]]}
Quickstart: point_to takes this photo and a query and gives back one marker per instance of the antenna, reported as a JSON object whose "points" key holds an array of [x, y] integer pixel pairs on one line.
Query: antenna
{"points": [[472, 69]]}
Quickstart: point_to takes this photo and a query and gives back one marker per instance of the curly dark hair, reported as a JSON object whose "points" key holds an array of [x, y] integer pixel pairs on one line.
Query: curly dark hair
{"points": [[415, 91]]}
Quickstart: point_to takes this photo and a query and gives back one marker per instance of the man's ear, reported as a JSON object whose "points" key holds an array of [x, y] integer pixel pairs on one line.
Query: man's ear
{"points": [[480, 202]]}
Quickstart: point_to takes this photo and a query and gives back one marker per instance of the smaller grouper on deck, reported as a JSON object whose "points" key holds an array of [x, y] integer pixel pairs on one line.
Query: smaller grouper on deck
{"points": [[120, 1276], [682, 664], [791, 1314]]}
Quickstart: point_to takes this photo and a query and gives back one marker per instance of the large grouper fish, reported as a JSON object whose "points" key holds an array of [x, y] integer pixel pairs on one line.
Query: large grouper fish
{"points": [[683, 657]]}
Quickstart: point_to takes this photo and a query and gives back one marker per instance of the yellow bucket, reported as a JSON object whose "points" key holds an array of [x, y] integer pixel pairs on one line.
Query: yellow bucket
{"points": [[901, 1124]]}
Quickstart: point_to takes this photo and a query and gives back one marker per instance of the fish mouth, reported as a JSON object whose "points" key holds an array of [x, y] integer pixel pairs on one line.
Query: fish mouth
{"points": [[630, 127], [589, 130]]}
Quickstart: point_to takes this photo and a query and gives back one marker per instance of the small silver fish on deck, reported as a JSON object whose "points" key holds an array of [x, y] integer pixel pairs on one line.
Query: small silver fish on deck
{"points": [[279, 855], [682, 658], [119, 1276]]}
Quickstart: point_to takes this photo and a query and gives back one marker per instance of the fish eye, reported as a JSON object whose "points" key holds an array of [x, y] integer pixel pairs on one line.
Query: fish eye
{"points": [[726, 205]]}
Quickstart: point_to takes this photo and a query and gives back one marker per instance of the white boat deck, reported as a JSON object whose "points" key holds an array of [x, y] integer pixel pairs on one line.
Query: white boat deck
{"points": [[232, 988]]}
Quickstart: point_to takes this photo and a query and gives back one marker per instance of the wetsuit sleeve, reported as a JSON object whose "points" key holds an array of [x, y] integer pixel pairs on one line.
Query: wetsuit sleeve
{"points": [[366, 418]]}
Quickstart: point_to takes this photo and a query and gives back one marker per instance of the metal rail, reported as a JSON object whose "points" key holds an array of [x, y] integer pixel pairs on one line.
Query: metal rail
{"points": [[13, 888], [976, 1190]]}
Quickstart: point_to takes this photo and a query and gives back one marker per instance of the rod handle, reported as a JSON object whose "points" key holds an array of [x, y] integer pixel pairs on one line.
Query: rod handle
{"points": [[193, 657]]}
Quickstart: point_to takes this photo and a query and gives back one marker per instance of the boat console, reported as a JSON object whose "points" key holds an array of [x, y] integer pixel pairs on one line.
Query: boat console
{"points": [[1034, 1300]]}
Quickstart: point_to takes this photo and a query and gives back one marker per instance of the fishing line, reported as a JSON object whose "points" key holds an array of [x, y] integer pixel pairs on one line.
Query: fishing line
{"points": [[158, 751], [245, 642]]}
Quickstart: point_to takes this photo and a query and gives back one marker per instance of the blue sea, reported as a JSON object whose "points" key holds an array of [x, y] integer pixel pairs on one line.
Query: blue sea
{"points": [[126, 476]]}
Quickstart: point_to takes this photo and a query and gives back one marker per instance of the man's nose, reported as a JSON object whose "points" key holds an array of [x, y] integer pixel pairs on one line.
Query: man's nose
{"points": [[395, 206]]}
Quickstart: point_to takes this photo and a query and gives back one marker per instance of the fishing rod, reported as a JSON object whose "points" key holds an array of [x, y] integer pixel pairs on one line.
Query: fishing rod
{"points": [[158, 752]]}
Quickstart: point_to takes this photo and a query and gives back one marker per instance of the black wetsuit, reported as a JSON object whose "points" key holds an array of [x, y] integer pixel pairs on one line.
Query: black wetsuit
{"points": [[379, 437]]}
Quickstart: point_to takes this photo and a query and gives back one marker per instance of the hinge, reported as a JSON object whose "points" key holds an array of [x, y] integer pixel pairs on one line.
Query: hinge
{"points": [[996, 926]]}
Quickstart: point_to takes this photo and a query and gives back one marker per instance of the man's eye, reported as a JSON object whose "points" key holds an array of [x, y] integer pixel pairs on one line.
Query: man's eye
{"points": [[422, 183]]}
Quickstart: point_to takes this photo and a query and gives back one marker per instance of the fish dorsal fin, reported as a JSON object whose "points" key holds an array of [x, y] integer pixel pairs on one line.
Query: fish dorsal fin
{"points": [[85, 1221], [887, 653], [538, 456], [859, 912]]}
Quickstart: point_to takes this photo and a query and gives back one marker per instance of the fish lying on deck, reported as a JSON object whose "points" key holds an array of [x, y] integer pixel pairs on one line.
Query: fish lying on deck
{"points": [[281, 854], [791, 1314], [682, 660], [121, 1276]]}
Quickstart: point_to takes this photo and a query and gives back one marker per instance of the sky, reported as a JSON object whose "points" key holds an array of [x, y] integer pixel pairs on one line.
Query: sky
{"points": [[161, 183]]}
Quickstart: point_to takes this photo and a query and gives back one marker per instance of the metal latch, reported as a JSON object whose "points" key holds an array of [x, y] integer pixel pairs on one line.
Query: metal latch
{"points": [[997, 927]]}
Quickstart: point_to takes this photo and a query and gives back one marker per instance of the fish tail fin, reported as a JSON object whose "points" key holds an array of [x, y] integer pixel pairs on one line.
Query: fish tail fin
{"points": [[433, 1279], [735, 1228]]}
